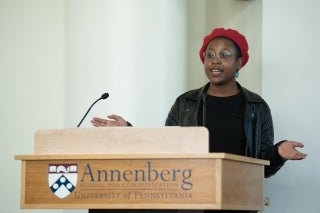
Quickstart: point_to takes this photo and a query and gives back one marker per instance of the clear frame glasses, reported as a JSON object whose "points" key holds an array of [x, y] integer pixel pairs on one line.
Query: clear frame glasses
{"points": [[223, 55]]}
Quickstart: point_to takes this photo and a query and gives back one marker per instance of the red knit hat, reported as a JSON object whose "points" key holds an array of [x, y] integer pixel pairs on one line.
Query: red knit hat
{"points": [[231, 34]]}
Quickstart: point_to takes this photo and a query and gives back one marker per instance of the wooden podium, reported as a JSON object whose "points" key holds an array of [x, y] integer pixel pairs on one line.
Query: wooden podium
{"points": [[137, 168]]}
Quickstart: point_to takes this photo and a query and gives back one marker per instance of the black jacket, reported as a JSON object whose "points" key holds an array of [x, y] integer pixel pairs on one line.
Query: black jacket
{"points": [[258, 125]]}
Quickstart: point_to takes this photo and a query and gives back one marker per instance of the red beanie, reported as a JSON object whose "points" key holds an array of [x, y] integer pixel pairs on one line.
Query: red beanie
{"points": [[231, 34]]}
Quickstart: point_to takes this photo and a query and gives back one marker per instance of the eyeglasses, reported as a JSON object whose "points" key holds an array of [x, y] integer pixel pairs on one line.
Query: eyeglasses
{"points": [[223, 55]]}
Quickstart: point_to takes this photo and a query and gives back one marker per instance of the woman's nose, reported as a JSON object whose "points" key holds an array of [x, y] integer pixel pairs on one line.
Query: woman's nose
{"points": [[215, 60]]}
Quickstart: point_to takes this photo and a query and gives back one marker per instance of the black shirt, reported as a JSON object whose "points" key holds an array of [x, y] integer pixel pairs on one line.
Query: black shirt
{"points": [[224, 120]]}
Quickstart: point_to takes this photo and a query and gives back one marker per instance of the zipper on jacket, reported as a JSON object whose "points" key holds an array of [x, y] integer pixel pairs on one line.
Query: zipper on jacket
{"points": [[204, 110]]}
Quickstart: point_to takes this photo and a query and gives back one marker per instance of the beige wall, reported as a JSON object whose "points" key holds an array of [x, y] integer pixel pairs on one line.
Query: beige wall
{"points": [[245, 16]]}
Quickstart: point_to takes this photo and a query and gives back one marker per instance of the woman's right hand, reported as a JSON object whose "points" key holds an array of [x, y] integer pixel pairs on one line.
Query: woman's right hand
{"points": [[113, 120]]}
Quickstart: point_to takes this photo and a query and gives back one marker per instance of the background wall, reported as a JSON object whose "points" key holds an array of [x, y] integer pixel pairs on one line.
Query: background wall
{"points": [[32, 84], [129, 49], [290, 85], [57, 57]]}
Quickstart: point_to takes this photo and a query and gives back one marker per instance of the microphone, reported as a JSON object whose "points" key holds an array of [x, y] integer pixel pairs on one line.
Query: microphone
{"points": [[103, 96]]}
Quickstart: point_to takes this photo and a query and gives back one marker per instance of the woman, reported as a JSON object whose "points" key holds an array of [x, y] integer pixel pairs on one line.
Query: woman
{"points": [[239, 121]]}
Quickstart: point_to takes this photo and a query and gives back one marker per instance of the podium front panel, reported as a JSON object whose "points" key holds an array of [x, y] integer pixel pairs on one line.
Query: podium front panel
{"points": [[202, 181]]}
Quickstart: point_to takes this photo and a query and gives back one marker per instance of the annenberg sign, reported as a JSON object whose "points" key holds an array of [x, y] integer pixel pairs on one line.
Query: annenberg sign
{"points": [[143, 179], [145, 182], [147, 175]]}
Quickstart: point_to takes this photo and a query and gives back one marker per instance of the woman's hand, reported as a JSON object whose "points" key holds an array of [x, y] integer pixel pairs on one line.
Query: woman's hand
{"points": [[113, 120], [287, 150]]}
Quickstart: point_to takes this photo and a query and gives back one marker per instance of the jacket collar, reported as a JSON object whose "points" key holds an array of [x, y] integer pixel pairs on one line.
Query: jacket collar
{"points": [[198, 94]]}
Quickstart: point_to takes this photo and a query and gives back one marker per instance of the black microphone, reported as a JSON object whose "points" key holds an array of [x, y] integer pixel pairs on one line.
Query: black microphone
{"points": [[103, 96]]}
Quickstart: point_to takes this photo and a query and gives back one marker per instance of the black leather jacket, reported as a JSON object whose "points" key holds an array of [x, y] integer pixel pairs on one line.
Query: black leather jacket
{"points": [[258, 123]]}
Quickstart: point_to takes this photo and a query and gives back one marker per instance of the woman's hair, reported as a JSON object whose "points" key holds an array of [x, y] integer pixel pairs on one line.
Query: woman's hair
{"points": [[238, 39]]}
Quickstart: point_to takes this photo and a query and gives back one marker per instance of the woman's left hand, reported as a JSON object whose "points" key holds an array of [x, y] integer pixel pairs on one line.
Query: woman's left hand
{"points": [[287, 150]]}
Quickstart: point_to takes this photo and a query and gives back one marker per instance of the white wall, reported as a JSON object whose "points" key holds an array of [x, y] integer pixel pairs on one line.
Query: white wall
{"points": [[32, 84], [134, 50], [290, 85]]}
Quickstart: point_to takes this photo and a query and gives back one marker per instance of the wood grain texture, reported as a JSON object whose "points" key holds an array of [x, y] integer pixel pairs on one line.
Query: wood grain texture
{"points": [[122, 140], [182, 181]]}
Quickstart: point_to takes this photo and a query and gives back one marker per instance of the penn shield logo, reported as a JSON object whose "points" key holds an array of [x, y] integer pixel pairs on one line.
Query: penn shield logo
{"points": [[62, 179]]}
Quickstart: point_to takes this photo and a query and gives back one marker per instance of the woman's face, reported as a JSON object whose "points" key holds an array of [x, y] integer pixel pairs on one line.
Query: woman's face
{"points": [[221, 61]]}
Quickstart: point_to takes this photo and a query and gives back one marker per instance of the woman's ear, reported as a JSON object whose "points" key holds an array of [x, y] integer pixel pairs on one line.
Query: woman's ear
{"points": [[239, 63]]}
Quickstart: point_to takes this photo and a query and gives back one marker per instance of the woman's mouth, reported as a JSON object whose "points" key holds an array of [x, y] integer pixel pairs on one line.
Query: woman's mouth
{"points": [[216, 71]]}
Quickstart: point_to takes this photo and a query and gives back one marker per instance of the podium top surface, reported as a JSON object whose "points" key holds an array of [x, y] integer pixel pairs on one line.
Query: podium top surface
{"points": [[224, 156], [122, 140]]}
